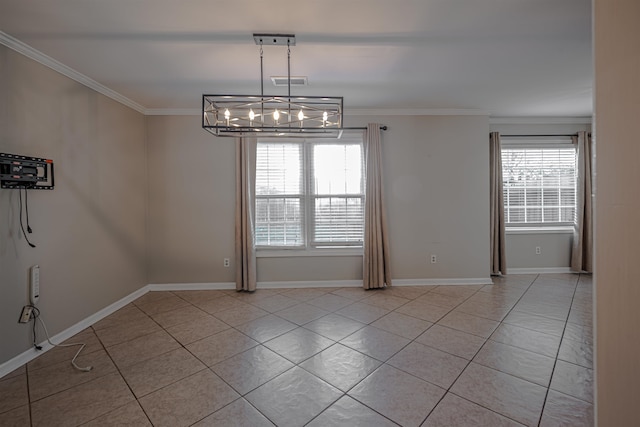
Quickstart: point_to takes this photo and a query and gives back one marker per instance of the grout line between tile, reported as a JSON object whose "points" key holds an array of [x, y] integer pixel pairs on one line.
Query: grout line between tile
{"points": [[26, 372], [469, 362], [555, 361], [488, 409], [127, 384]]}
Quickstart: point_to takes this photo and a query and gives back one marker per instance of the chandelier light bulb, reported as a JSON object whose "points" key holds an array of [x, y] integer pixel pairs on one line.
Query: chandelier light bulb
{"points": [[325, 116], [276, 115], [252, 115], [300, 115]]}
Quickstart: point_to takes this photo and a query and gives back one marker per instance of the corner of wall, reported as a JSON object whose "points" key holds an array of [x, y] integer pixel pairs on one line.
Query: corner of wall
{"points": [[146, 199]]}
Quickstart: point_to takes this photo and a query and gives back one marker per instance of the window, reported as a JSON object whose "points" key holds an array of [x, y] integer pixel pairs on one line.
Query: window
{"points": [[309, 194], [279, 194], [539, 184]]}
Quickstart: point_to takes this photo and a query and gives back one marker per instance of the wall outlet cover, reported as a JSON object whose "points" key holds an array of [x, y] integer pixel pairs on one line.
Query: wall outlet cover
{"points": [[25, 316]]}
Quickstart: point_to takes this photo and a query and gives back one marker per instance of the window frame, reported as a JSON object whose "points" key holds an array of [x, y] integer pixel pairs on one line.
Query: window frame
{"points": [[543, 227], [310, 247]]}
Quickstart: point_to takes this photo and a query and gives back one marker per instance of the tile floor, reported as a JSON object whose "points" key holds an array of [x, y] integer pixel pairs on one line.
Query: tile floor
{"points": [[514, 353]]}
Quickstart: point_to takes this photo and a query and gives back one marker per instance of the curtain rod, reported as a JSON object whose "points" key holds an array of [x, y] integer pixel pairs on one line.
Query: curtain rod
{"points": [[383, 127], [541, 136]]}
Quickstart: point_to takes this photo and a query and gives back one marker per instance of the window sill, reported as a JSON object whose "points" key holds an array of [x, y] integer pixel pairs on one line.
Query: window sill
{"points": [[289, 253], [539, 230]]}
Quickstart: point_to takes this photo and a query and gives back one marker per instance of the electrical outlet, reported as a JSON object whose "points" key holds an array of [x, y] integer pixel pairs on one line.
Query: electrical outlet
{"points": [[433, 259], [538, 252], [226, 262], [25, 316]]}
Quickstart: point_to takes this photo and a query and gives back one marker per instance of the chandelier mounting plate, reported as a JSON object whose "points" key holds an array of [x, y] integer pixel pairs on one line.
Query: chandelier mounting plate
{"points": [[275, 39]]}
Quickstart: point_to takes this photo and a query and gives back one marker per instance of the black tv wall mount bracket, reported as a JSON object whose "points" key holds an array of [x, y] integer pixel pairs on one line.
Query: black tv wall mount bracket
{"points": [[25, 172]]}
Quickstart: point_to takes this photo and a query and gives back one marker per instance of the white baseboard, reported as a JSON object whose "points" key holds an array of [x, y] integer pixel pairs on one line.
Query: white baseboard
{"points": [[28, 355], [541, 270], [448, 282], [32, 353], [21, 359], [191, 286], [358, 283], [311, 284], [314, 284]]}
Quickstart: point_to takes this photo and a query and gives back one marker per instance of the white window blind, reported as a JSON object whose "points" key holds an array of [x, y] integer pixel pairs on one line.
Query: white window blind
{"points": [[279, 194], [309, 194], [337, 194], [539, 185]]}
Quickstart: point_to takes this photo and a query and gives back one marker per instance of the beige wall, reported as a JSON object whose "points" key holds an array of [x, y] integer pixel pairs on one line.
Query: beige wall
{"points": [[191, 202], [304, 269], [555, 251], [437, 190], [90, 230], [436, 177], [617, 109]]}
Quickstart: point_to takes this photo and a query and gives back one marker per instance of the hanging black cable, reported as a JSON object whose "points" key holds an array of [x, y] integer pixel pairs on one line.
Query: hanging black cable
{"points": [[34, 316], [21, 225], [26, 206]]}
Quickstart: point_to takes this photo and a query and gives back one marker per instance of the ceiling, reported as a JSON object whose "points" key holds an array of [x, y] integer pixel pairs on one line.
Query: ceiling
{"points": [[505, 57]]}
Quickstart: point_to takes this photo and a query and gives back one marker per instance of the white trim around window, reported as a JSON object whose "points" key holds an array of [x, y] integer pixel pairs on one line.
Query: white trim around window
{"points": [[308, 252], [539, 230], [539, 185], [308, 206]]}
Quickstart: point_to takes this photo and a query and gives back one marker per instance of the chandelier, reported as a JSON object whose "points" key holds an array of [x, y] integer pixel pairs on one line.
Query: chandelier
{"points": [[267, 115]]}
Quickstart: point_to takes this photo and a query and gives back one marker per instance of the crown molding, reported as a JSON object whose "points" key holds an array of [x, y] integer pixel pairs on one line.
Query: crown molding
{"points": [[172, 112], [47, 61], [415, 112], [540, 120]]}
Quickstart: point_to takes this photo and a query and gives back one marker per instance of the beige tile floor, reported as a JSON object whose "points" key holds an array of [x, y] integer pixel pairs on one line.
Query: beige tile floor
{"points": [[518, 352]]}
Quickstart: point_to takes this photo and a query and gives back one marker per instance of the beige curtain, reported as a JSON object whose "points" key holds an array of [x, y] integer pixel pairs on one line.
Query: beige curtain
{"points": [[376, 271], [496, 210], [245, 243], [582, 248]]}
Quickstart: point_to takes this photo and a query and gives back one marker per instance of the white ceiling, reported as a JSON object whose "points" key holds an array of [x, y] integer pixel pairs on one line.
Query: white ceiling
{"points": [[506, 57]]}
